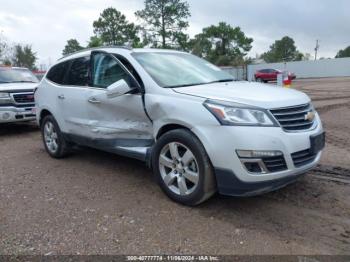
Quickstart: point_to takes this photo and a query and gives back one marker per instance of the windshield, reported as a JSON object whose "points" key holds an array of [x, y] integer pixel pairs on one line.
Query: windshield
{"points": [[16, 75], [170, 69]]}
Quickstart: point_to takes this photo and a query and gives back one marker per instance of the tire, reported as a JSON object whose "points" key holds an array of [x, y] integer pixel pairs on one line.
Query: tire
{"points": [[259, 80], [173, 175], [55, 144]]}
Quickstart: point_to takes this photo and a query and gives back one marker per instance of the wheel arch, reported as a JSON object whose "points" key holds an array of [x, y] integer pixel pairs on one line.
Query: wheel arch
{"points": [[43, 114], [169, 127], [210, 185]]}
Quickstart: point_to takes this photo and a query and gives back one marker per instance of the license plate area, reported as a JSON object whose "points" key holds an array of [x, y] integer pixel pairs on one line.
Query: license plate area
{"points": [[317, 142]]}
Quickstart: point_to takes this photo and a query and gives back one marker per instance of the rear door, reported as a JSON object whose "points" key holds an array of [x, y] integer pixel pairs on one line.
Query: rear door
{"points": [[73, 96], [116, 121], [49, 91], [265, 74]]}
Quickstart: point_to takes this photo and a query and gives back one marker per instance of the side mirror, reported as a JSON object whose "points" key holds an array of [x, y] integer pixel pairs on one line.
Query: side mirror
{"points": [[118, 88]]}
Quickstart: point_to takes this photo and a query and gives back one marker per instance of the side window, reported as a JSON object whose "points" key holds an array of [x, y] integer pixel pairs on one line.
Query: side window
{"points": [[78, 74], [106, 71], [57, 73]]}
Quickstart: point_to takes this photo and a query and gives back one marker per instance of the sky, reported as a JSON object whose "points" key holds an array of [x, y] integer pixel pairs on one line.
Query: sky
{"points": [[47, 25]]}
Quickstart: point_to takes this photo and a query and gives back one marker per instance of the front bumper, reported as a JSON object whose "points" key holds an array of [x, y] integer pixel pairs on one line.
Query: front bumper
{"points": [[221, 143], [229, 185], [11, 114]]}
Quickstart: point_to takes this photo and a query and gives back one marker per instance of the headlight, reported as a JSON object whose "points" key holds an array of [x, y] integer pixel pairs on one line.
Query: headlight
{"points": [[5, 98], [238, 114], [4, 95]]}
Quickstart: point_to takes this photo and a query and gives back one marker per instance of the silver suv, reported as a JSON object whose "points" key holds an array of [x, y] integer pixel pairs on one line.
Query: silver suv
{"points": [[198, 129]]}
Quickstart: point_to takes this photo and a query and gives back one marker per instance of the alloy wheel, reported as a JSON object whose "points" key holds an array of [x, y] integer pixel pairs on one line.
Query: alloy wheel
{"points": [[51, 137], [179, 168]]}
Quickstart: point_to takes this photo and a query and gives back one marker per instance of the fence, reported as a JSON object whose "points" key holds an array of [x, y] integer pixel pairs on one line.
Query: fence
{"points": [[339, 67], [239, 72]]}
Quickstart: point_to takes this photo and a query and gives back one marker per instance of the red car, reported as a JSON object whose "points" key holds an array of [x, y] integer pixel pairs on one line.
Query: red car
{"points": [[266, 75]]}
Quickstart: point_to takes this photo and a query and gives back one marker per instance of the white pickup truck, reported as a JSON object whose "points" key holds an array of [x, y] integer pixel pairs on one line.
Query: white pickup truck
{"points": [[17, 94]]}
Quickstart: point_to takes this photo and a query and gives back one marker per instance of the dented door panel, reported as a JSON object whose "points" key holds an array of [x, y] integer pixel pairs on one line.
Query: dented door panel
{"points": [[120, 117]]}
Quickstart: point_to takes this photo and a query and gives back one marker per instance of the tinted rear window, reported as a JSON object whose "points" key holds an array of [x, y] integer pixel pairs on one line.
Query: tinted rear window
{"points": [[57, 73], [78, 74]]}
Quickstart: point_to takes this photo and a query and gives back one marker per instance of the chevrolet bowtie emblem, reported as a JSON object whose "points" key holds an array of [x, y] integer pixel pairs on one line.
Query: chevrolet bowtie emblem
{"points": [[310, 116]]}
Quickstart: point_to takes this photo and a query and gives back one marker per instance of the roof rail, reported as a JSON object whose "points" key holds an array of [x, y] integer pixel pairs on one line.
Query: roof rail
{"points": [[95, 48]]}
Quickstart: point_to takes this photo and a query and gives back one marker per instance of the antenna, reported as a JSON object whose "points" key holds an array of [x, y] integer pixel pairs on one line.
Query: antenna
{"points": [[316, 49]]}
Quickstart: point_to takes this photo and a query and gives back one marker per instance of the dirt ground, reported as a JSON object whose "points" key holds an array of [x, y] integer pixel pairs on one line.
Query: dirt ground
{"points": [[97, 203]]}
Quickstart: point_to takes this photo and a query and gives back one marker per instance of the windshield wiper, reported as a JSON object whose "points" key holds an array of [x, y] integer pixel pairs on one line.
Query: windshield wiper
{"points": [[193, 84], [206, 83], [23, 81], [223, 80]]}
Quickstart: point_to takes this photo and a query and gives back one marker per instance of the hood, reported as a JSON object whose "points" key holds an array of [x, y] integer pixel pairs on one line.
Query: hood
{"points": [[12, 87], [253, 94]]}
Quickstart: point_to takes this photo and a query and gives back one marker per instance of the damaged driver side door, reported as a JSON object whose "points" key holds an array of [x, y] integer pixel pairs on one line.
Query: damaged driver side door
{"points": [[118, 120]]}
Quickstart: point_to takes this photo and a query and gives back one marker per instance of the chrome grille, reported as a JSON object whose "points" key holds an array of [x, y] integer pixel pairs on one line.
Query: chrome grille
{"points": [[23, 98], [294, 118]]}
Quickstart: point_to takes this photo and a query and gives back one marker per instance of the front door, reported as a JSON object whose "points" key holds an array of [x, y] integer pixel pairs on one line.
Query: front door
{"points": [[116, 122]]}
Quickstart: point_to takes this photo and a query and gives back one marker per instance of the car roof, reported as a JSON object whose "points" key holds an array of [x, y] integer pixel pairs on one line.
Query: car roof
{"points": [[118, 49], [268, 69]]}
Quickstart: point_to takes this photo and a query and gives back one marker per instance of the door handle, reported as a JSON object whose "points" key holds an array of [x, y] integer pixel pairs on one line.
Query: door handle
{"points": [[94, 100], [61, 97]]}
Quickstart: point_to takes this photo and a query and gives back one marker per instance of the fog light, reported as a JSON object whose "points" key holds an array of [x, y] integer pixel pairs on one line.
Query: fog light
{"points": [[6, 116], [257, 154], [253, 167]]}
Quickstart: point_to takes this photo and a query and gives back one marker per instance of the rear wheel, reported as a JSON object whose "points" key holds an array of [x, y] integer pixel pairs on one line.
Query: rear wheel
{"points": [[183, 168], [259, 80], [54, 142]]}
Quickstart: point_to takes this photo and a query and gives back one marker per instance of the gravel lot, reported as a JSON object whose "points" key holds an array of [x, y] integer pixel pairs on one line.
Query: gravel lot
{"points": [[98, 203]]}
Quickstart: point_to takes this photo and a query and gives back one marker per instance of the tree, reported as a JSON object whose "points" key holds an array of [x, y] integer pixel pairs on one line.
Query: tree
{"points": [[283, 50], [307, 57], [95, 41], [200, 45], [71, 47], [7, 62], [181, 41], [299, 56], [4, 48], [165, 21], [23, 56], [113, 29], [222, 44], [343, 53]]}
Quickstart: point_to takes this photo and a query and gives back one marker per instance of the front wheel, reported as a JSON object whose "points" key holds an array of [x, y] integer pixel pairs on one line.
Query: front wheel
{"points": [[183, 168]]}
